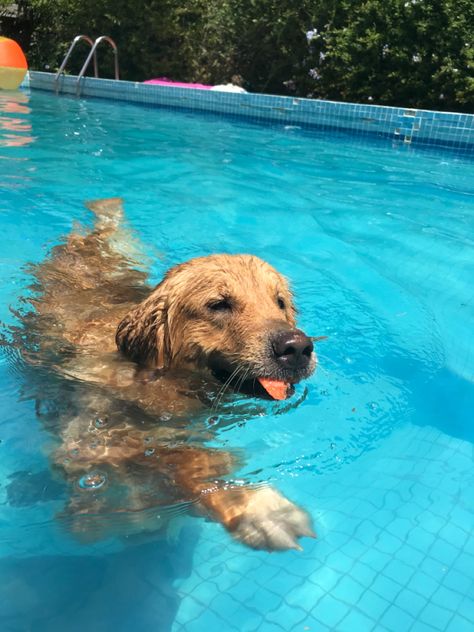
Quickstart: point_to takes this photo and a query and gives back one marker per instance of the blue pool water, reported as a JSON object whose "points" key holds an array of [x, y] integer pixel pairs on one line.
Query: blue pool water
{"points": [[378, 243]]}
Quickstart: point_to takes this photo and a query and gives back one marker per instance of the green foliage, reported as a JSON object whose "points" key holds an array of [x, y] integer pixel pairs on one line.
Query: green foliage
{"points": [[413, 53]]}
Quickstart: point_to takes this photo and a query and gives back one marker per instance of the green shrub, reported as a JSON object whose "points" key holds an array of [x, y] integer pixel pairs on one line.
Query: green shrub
{"points": [[413, 53]]}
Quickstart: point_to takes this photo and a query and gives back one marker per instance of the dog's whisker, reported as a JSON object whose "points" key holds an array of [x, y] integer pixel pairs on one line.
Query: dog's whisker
{"points": [[234, 377], [242, 379], [318, 338], [239, 377], [224, 387]]}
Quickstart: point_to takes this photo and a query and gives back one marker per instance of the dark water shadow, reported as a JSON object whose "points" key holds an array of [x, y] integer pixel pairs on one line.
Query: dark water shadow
{"points": [[129, 590]]}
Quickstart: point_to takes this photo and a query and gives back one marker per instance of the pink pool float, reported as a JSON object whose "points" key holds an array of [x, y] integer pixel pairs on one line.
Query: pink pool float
{"points": [[163, 81], [226, 87]]}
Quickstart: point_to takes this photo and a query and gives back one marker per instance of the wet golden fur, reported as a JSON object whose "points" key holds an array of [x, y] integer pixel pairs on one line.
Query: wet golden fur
{"points": [[126, 412], [173, 326]]}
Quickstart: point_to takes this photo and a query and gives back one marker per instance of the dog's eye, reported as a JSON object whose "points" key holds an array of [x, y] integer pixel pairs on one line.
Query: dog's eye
{"points": [[281, 303], [222, 305]]}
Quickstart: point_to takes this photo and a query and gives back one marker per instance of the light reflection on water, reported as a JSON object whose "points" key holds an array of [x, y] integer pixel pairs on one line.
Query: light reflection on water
{"points": [[15, 124]]}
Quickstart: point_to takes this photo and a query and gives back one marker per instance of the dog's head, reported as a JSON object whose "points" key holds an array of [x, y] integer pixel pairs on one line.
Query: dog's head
{"points": [[231, 314]]}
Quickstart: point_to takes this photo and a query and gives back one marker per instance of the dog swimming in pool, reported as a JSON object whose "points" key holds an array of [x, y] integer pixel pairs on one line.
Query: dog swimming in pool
{"points": [[124, 370]]}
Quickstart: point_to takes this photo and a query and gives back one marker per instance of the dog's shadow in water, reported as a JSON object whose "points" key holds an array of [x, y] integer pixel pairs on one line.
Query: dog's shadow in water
{"points": [[128, 590]]}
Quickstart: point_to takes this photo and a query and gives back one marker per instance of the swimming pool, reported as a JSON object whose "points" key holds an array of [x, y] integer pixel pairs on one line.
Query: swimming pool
{"points": [[377, 240]]}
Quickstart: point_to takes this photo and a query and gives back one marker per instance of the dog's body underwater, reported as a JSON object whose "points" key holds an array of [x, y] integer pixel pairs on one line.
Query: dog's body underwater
{"points": [[123, 368]]}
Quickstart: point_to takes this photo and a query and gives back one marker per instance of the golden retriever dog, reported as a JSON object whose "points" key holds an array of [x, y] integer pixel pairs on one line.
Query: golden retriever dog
{"points": [[129, 374]]}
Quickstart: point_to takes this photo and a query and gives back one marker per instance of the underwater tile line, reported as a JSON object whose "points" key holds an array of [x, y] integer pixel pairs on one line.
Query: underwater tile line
{"points": [[406, 126]]}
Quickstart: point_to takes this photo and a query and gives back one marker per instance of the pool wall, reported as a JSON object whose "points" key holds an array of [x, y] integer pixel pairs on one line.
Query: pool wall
{"points": [[403, 125]]}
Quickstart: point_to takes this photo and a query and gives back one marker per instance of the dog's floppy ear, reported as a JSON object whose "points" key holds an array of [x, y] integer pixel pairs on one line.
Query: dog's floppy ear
{"points": [[143, 335]]}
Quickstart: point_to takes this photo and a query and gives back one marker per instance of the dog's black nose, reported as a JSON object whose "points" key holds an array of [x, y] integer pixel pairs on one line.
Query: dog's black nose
{"points": [[292, 348]]}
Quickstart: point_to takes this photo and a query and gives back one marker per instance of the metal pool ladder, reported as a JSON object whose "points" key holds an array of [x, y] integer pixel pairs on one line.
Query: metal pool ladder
{"points": [[92, 54]]}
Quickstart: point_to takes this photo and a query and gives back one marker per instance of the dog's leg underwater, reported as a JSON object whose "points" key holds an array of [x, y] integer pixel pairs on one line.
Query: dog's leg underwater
{"points": [[108, 212], [109, 226], [258, 516]]}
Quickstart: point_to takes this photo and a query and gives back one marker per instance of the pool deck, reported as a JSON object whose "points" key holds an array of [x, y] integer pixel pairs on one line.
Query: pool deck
{"points": [[400, 125]]}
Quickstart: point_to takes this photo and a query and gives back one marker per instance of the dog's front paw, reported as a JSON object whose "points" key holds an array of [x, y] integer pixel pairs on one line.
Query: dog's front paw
{"points": [[270, 522]]}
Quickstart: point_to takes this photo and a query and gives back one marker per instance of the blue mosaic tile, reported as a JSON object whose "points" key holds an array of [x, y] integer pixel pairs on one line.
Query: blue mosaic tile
{"points": [[397, 619], [287, 617], [330, 611], [411, 602], [387, 543], [433, 568], [386, 587], [265, 625], [306, 593], [340, 562], [375, 559], [421, 627], [456, 581], [447, 598], [348, 590], [409, 555], [466, 609], [419, 538], [459, 624], [355, 621], [423, 585], [445, 552], [435, 616], [399, 571], [465, 564], [373, 605], [420, 127], [327, 578], [311, 624], [363, 574], [367, 532], [260, 595]]}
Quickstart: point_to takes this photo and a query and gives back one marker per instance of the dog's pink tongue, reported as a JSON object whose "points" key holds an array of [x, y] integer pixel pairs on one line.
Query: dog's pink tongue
{"points": [[275, 388]]}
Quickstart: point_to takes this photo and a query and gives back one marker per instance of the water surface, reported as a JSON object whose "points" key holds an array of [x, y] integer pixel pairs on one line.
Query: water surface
{"points": [[377, 240]]}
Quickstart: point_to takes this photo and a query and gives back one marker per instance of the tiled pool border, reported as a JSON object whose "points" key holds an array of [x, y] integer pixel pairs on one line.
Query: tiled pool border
{"points": [[404, 125]]}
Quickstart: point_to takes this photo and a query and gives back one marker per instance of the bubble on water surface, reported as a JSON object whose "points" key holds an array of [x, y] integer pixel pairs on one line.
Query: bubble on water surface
{"points": [[100, 422], [92, 480]]}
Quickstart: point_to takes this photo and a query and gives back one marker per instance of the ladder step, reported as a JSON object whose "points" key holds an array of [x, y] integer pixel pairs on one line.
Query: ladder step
{"points": [[92, 55]]}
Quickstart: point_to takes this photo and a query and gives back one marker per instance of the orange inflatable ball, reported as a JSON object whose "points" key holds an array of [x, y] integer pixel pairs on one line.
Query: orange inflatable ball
{"points": [[13, 64]]}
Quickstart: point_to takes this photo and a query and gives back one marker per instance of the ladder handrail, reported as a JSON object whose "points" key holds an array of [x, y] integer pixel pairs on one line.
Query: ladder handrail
{"points": [[102, 38], [77, 39]]}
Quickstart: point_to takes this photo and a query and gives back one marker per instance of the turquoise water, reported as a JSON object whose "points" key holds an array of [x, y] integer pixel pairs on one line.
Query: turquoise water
{"points": [[378, 243]]}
